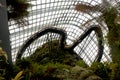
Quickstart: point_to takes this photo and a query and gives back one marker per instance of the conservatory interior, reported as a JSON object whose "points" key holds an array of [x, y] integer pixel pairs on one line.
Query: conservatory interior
{"points": [[59, 39]]}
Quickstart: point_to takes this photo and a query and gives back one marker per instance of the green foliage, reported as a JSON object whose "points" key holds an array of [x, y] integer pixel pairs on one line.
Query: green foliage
{"points": [[24, 63], [101, 70], [49, 62], [46, 60], [52, 53], [52, 64], [57, 71], [115, 71], [109, 16], [5, 68], [107, 71], [113, 35], [82, 64], [43, 72], [17, 10]]}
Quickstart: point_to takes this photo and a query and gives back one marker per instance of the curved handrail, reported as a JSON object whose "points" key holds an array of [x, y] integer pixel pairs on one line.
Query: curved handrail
{"points": [[98, 31]]}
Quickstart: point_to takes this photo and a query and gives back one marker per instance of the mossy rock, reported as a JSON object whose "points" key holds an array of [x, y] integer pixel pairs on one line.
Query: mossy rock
{"points": [[51, 52], [57, 71], [50, 62]]}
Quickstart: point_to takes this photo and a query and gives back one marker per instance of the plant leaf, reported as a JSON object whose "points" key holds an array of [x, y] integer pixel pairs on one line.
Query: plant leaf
{"points": [[18, 76]]}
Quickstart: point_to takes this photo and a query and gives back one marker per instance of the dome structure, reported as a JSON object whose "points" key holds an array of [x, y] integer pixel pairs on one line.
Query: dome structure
{"points": [[82, 31]]}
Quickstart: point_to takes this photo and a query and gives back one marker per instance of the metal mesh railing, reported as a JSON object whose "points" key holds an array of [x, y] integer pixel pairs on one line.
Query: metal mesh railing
{"points": [[60, 14]]}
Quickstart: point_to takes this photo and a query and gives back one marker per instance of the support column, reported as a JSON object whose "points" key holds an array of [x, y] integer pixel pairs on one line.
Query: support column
{"points": [[4, 31]]}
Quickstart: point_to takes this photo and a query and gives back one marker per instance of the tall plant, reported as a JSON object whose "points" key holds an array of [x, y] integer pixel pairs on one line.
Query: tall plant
{"points": [[111, 18]]}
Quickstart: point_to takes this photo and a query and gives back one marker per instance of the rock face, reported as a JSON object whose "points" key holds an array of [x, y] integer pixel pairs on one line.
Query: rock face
{"points": [[83, 74]]}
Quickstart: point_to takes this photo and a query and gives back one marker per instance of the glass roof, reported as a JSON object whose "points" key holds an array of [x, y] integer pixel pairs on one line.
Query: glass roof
{"points": [[59, 14]]}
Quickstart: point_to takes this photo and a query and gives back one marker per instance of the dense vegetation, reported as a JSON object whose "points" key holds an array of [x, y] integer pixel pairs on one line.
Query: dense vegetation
{"points": [[111, 18], [54, 64], [49, 62]]}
